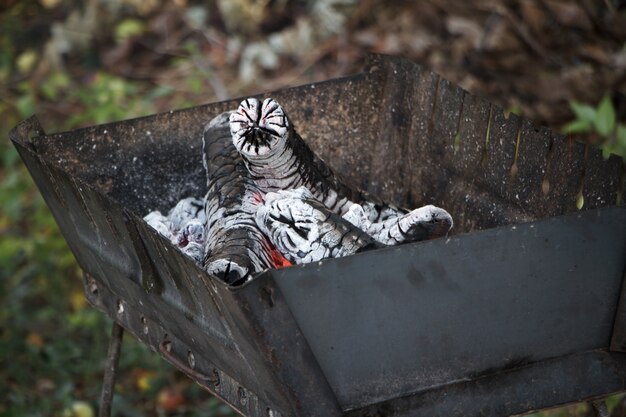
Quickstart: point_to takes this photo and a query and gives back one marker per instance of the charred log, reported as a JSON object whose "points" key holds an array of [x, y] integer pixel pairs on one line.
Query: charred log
{"points": [[236, 249], [304, 230]]}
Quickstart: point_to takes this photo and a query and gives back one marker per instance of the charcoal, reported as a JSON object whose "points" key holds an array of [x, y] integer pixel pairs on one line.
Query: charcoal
{"points": [[184, 224], [186, 210], [304, 230], [423, 223], [279, 159], [192, 232], [272, 202], [236, 249], [195, 251]]}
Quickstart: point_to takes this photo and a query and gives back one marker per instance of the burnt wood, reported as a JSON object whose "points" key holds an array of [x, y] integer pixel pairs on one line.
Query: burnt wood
{"points": [[514, 312]]}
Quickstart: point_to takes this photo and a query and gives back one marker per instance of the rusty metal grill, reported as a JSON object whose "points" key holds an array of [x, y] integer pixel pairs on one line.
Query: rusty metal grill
{"points": [[521, 309]]}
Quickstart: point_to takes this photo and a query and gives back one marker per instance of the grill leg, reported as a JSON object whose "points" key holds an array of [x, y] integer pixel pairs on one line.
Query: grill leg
{"points": [[108, 383], [598, 408]]}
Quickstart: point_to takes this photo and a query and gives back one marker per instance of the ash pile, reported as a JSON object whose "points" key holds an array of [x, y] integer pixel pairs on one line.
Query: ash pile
{"points": [[272, 202]]}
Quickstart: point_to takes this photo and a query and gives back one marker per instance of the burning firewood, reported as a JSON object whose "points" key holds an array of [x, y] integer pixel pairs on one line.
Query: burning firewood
{"points": [[235, 247], [304, 230], [278, 159], [423, 223], [272, 202]]}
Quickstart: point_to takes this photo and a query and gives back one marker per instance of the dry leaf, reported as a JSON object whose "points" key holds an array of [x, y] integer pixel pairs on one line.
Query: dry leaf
{"points": [[569, 13]]}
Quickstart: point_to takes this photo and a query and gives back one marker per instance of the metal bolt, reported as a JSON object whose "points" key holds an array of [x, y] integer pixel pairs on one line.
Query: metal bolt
{"points": [[216, 378], [92, 285], [167, 343], [146, 329], [243, 396]]}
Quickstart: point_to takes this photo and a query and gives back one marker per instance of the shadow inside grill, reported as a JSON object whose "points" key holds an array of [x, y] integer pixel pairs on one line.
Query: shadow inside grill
{"points": [[518, 309]]}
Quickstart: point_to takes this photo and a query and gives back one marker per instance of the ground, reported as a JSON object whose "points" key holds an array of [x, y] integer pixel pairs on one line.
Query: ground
{"points": [[83, 63]]}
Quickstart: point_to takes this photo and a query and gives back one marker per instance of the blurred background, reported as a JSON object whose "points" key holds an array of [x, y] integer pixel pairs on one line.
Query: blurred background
{"points": [[79, 63]]}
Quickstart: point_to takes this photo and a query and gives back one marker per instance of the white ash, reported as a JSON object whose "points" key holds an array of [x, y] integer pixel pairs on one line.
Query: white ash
{"points": [[184, 226], [304, 230], [195, 251], [186, 210], [192, 232], [159, 222], [423, 223]]}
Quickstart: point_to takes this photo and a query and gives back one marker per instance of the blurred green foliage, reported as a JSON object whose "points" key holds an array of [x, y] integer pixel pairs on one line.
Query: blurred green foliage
{"points": [[600, 121], [108, 98]]}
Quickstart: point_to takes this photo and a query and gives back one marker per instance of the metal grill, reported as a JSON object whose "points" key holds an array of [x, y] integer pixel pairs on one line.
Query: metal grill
{"points": [[521, 309]]}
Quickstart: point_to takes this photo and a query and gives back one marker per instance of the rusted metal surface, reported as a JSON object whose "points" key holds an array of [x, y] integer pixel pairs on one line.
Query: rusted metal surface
{"points": [[413, 138], [527, 388], [618, 339], [461, 308]]}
